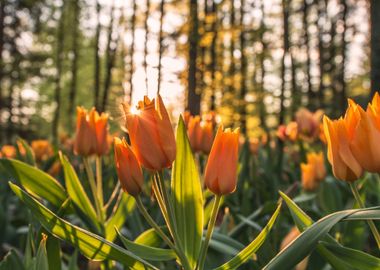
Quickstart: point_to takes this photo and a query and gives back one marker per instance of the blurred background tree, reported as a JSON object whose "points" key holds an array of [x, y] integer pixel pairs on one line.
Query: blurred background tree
{"points": [[253, 61]]}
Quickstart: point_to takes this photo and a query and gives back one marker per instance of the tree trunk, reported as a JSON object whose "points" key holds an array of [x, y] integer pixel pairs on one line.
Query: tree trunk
{"points": [[59, 63], [321, 10], [97, 58], [342, 73], [375, 46], [146, 29], [262, 110], [2, 15], [132, 51], [306, 41], [285, 11], [243, 71], [194, 98], [111, 53], [74, 64], [160, 40], [213, 54]]}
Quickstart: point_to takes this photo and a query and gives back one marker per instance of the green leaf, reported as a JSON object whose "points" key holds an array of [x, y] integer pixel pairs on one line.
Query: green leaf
{"points": [[29, 154], [150, 238], [76, 191], [147, 252], [187, 197], [119, 215], [91, 245], [229, 245], [35, 181], [54, 253], [11, 261], [247, 252], [41, 257], [308, 240], [355, 258], [73, 261]]}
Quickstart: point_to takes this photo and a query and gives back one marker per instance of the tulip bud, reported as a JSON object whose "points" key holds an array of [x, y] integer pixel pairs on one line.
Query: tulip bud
{"points": [[151, 134], [194, 132], [317, 161], [42, 149], [128, 168], [99, 124], [85, 139], [308, 123], [338, 136], [309, 181], [221, 168], [207, 137]]}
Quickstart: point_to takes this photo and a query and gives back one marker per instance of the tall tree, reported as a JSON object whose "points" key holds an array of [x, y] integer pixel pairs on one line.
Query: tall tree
{"points": [[2, 15], [97, 57], [58, 75], [110, 60], [160, 41], [132, 50], [343, 52], [146, 29], [193, 98], [286, 47], [213, 49], [243, 71], [306, 43], [74, 63], [375, 46], [264, 46]]}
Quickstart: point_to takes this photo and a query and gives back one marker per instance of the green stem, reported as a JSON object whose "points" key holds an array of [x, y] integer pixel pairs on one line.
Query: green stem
{"points": [[159, 231], [91, 180], [210, 229], [99, 180], [371, 224], [171, 217]]}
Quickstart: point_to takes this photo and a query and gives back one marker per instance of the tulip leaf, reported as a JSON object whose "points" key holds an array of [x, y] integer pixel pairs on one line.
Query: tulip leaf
{"points": [[11, 261], [91, 245], [35, 181], [76, 191], [249, 250], [119, 215], [147, 252], [309, 239], [29, 154], [187, 197], [41, 257]]}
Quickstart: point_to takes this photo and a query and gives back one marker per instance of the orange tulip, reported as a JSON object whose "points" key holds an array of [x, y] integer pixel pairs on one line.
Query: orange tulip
{"points": [[317, 161], [309, 181], [128, 168], [200, 135], [186, 118], [151, 134], [8, 151], [99, 124], [85, 139], [221, 168], [366, 134], [42, 149], [308, 123], [339, 135]]}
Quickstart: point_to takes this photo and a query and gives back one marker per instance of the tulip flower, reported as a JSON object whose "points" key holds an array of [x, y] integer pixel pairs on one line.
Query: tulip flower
{"points": [[309, 182], [128, 168], [42, 149], [316, 160], [151, 134], [200, 134], [91, 136], [366, 134], [99, 124], [8, 151], [221, 168], [308, 123], [338, 136], [85, 139]]}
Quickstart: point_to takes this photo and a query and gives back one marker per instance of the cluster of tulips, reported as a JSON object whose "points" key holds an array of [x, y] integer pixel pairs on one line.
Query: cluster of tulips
{"points": [[353, 145], [307, 127]]}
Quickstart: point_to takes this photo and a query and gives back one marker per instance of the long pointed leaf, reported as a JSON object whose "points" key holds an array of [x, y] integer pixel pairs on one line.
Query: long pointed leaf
{"points": [[187, 197], [91, 245], [247, 252]]}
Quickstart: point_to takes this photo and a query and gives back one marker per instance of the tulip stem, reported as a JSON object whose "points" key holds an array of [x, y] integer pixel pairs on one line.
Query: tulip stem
{"points": [[370, 222], [99, 180], [210, 228], [91, 180], [159, 231]]}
